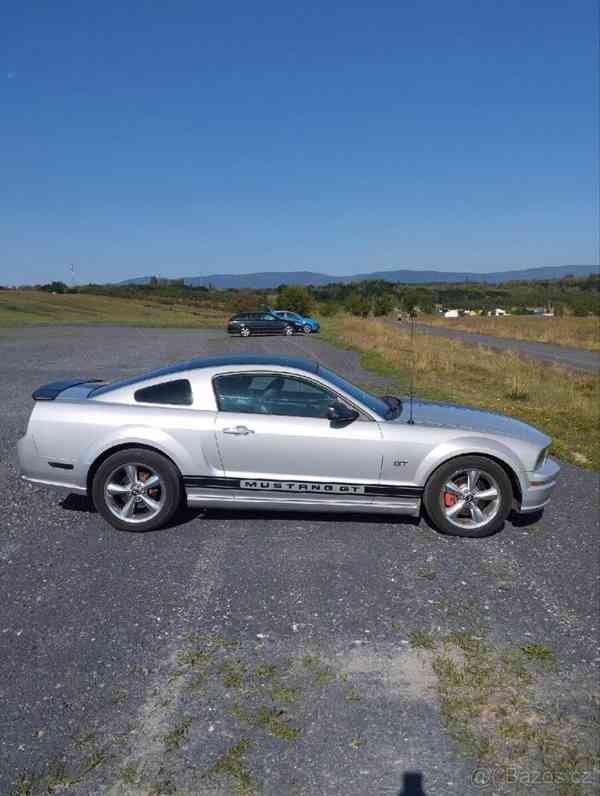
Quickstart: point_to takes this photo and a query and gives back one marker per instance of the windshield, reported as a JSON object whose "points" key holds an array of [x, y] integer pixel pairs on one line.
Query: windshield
{"points": [[377, 405]]}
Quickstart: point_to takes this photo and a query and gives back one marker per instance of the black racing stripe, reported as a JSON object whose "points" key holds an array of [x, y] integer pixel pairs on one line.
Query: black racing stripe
{"points": [[394, 491], [381, 490], [211, 482]]}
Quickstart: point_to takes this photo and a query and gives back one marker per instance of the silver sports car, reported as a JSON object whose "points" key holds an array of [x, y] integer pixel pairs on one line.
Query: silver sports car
{"points": [[254, 432]]}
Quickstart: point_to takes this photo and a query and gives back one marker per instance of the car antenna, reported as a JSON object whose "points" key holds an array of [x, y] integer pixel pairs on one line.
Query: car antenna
{"points": [[411, 395]]}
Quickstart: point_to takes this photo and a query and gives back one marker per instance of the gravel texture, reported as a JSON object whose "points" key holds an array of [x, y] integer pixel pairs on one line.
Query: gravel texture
{"points": [[308, 611]]}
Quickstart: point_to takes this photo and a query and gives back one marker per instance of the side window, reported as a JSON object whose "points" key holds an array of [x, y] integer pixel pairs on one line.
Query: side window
{"points": [[272, 394], [177, 393], [237, 393], [296, 397]]}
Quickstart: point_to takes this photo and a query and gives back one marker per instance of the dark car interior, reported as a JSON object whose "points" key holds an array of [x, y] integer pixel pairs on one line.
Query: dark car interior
{"points": [[272, 394]]}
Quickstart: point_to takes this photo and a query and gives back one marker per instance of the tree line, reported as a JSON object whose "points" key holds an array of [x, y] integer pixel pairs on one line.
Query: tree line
{"points": [[570, 295]]}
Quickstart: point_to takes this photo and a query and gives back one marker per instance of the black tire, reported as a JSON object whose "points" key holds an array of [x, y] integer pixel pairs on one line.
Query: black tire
{"points": [[435, 492], [245, 332], [169, 491], [307, 328], [288, 331]]}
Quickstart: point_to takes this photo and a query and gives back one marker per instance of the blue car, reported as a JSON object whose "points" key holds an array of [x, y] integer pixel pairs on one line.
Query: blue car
{"points": [[309, 325]]}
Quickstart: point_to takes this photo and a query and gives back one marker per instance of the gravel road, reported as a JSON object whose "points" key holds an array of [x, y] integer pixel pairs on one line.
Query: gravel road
{"points": [[159, 663], [576, 358]]}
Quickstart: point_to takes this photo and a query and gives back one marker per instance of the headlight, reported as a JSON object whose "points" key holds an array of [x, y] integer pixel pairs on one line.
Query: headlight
{"points": [[541, 459]]}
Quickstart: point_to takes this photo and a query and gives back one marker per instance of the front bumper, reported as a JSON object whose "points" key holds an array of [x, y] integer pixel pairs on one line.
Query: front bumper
{"points": [[540, 485]]}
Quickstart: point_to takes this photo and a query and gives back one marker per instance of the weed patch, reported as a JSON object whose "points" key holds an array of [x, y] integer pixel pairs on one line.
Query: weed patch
{"points": [[178, 735], [233, 766], [490, 706]]}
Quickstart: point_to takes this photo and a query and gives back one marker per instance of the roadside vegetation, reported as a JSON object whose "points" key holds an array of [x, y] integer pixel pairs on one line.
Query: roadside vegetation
{"points": [[35, 307], [574, 332], [563, 403], [570, 297]]}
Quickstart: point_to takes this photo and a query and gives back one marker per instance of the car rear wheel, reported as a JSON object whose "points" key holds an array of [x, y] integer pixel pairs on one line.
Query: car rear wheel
{"points": [[288, 331], [245, 332], [307, 328], [137, 490], [468, 496]]}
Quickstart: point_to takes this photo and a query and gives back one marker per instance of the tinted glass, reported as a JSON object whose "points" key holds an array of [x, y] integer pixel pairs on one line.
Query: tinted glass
{"points": [[176, 393], [272, 394], [372, 401]]}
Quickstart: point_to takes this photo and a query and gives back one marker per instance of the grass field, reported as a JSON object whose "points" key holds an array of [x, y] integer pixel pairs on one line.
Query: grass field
{"points": [[29, 307], [564, 404], [566, 331]]}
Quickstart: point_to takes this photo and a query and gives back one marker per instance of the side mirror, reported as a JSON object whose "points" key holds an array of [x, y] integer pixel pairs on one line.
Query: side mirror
{"points": [[340, 413]]}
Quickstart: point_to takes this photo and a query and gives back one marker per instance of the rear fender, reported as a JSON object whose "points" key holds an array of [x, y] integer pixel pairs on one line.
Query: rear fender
{"points": [[141, 435]]}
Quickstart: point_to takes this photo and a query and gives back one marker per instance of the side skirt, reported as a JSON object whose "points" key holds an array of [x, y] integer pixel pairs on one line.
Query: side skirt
{"points": [[408, 506], [279, 495]]}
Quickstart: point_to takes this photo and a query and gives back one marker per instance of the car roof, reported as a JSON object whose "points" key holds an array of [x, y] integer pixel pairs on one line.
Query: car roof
{"points": [[211, 362]]}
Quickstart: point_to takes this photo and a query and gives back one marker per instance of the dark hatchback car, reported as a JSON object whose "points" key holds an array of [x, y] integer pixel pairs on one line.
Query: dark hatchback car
{"points": [[247, 323]]}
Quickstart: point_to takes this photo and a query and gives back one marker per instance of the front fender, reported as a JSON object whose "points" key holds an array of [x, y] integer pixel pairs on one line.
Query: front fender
{"points": [[463, 446]]}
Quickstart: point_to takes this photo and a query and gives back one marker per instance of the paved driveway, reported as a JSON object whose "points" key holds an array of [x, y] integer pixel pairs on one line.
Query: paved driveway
{"points": [[271, 654]]}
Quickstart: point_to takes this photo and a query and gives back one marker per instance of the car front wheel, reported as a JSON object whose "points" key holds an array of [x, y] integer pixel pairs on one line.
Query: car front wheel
{"points": [[137, 490], [468, 496], [307, 329], [245, 332]]}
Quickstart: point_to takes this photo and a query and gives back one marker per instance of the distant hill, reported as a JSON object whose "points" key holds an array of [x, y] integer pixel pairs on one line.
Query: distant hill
{"points": [[271, 279]]}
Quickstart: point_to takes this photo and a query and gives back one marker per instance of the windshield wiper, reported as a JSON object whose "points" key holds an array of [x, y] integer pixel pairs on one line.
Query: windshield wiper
{"points": [[395, 405]]}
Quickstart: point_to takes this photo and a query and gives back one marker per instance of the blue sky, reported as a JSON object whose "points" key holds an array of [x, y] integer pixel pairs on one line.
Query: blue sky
{"points": [[190, 138]]}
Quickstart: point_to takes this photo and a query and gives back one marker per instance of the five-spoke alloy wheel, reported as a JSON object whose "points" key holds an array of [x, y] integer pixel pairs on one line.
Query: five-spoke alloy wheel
{"points": [[137, 489], [468, 496]]}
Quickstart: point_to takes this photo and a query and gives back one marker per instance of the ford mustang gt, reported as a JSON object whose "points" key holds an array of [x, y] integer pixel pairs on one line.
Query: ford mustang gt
{"points": [[262, 432]]}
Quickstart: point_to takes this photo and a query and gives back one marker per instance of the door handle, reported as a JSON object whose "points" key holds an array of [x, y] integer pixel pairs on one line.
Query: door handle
{"points": [[238, 431]]}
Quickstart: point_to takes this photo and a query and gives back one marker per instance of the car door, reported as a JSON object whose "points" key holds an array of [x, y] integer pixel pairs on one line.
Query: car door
{"points": [[272, 325], [273, 435]]}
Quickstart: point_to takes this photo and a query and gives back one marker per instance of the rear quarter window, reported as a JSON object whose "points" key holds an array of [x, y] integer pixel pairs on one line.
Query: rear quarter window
{"points": [[176, 393]]}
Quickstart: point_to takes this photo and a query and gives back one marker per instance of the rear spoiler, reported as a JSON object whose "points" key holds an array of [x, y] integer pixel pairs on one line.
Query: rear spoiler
{"points": [[48, 392]]}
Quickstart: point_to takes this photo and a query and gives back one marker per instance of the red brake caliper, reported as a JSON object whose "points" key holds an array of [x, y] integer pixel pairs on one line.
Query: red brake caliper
{"points": [[144, 476], [449, 499]]}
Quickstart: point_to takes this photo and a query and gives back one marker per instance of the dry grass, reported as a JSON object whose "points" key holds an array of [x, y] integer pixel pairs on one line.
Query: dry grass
{"points": [[32, 307], [562, 403], [566, 331]]}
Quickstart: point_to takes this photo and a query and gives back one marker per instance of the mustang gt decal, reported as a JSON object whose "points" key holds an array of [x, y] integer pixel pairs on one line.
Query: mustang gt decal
{"points": [[303, 486]]}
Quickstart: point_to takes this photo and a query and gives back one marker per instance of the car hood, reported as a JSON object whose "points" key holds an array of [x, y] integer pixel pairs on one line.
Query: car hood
{"points": [[468, 418]]}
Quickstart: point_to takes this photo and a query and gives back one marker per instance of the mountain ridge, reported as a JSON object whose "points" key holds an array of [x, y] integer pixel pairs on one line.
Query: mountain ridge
{"points": [[272, 279]]}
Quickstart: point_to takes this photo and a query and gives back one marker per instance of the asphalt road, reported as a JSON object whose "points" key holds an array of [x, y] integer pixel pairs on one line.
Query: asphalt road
{"points": [[101, 681], [576, 358]]}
